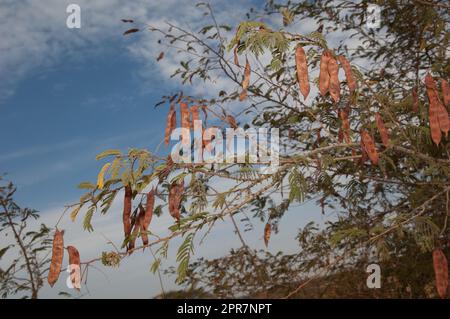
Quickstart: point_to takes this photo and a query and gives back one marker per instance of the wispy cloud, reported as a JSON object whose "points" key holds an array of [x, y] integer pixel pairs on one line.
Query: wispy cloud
{"points": [[133, 278], [34, 34], [40, 150]]}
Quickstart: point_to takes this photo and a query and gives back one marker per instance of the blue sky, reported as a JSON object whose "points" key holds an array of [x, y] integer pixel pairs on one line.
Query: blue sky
{"points": [[58, 120], [67, 94]]}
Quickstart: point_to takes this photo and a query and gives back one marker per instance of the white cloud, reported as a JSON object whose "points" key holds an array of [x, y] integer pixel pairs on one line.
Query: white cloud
{"points": [[133, 278], [35, 37]]}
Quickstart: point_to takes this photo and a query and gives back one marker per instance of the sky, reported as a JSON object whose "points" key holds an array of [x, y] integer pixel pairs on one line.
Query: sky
{"points": [[68, 94]]}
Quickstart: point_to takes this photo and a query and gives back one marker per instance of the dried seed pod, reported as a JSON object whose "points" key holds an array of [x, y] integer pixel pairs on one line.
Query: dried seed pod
{"points": [[127, 211], [134, 30], [441, 272], [434, 123], [369, 147], [445, 92], [184, 111], [57, 257], [173, 121], [185, 121], [267, 232], [170, 124], [444, 122], [382, 129], [324, 76], [351, 81], [345, 126], [231, 121], [436, 106], [166, 170], [138, 221], [147, 216], [175, 195], [243, 95], [415, 99], [160, 57], [435, 110], [195, 114], [334, 88], [74, 267], [247, 71], [430, 85], [302, 71]]}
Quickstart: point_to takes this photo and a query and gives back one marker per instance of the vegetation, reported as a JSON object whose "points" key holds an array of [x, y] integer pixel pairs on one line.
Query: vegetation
{"points": [[24, 274], [365, 154]]}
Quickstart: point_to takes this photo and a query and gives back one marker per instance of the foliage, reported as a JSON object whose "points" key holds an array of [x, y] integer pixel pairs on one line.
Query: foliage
{"points": [[24, 273], [388, 212]]}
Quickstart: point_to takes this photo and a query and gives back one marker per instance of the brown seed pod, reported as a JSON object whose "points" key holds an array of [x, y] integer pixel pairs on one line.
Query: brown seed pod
{"points": [[324, 76], [351, 81], [345, 125], [302, 71], [160, 57], [445, 92], [195, 114], [185, 121], [127, 211], [134, 30], [247, 71], [243, 95], [175, 195], [173, 120], [147, 216], [415, 100], [430, 85], [74, 264], [435, 129], [444, 122], [231, 121], [435, 110], [334, 88], [382, 129], [166, 170], [57, 257], [441, 272], [267, 232], [369, 147], [137, 226], [171, 123]]}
